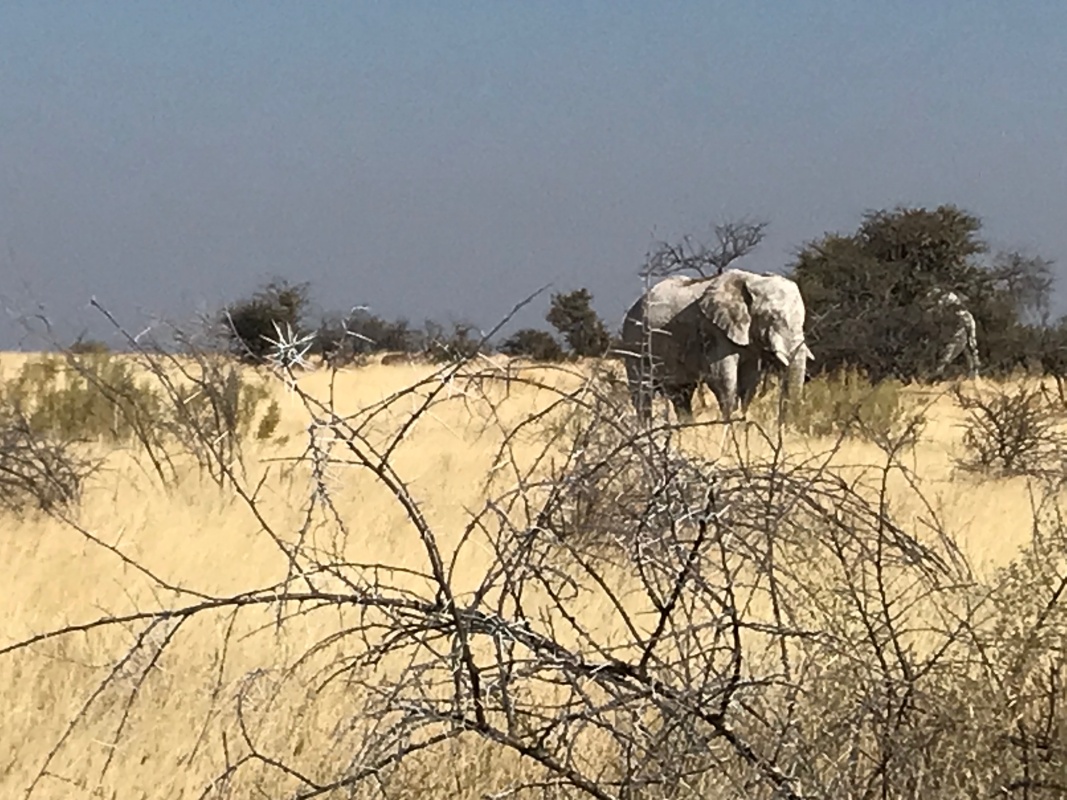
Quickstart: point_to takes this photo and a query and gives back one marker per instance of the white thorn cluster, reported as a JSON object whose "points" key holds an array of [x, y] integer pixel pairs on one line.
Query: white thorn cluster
{"points": [[289, 350]]}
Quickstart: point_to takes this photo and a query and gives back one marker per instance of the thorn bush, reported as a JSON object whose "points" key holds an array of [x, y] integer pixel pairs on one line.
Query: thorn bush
{"points": [[1011, 430], [36, 470]]}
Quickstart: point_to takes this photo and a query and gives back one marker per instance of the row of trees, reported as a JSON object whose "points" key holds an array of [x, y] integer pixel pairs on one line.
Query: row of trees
{"points": [[867, 295], [251, 325]]}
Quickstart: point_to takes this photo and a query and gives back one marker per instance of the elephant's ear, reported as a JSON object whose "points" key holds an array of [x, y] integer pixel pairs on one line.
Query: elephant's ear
{"points": [[726, 304]]}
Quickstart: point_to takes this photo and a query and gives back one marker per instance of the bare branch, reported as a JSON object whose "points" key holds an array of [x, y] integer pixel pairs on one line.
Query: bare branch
{"points": [[734, 240]]}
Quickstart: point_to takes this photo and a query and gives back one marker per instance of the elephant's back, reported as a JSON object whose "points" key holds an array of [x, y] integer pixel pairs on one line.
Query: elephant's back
{"points": [[670, 299], [674, 323]]}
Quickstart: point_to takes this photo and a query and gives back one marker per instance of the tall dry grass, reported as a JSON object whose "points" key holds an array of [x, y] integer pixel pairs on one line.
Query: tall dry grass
{"points": [[180, 732]]}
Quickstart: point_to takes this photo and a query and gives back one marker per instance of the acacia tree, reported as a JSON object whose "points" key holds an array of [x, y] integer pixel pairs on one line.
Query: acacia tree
{"points": [[573, 316], [867, 292], [249, 324]]}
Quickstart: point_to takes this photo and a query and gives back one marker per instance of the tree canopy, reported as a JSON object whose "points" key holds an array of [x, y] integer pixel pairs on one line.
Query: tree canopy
{"points": [[868, 294], [572, 315]]}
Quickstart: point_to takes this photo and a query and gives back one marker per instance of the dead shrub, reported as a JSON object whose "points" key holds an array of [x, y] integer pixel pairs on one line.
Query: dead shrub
{"points": [[38, 471], [1011, 430]]}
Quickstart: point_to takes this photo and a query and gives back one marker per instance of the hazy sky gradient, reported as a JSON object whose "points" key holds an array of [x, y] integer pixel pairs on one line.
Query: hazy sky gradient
{"points": [[446, 159]]}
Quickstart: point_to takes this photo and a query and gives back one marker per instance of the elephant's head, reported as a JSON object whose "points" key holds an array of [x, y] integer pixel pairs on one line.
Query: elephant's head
{"points": [[764, 312]]}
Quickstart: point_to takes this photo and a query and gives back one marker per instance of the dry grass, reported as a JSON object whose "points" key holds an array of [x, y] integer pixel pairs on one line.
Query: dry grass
{"points": [[180, 729]]}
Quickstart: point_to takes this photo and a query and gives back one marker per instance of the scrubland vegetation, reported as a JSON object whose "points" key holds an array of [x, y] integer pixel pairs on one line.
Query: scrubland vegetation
{"points": [[478, 580]]}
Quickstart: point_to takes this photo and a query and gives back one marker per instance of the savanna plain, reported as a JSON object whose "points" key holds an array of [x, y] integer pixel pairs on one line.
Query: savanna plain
{"points": [[97, 713]]}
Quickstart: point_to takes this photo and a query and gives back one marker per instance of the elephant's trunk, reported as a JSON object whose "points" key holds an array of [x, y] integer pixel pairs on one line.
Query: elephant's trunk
{"points": [[796, 372]]}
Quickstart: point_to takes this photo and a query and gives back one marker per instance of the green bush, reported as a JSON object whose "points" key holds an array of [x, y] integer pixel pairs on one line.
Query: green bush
{"points": [[348, 340], [461, 343], [100, 397], [869, 307], [251, 324], [221, 404], [533, 343], [88, 347], [572, 315], [268, 423]]}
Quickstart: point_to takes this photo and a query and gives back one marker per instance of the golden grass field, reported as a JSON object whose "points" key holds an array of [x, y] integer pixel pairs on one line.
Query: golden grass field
{"points": [[173, 743]]}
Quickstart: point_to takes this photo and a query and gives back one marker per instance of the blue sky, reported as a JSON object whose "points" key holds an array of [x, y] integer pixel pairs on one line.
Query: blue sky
{"points": [[446, 159]]}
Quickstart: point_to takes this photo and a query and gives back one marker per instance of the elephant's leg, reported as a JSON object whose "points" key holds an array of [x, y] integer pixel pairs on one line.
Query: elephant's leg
{"points": [[681, 397], [766, 383], [726, 403], [722, 380], [749, 373]]}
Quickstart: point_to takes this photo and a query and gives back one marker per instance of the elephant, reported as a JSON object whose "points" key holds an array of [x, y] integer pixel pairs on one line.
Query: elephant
{"points": [[727, 331]]}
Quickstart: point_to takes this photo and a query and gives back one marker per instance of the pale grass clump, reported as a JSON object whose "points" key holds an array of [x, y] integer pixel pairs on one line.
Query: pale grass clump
{"points": [[493, 564], [846, 404]]}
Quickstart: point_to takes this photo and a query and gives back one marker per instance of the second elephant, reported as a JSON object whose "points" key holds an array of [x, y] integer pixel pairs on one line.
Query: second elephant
{"points": [[726, 331]]}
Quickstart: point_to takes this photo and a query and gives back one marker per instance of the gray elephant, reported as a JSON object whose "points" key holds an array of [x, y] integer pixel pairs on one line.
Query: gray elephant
{"points": [[726, 331]]}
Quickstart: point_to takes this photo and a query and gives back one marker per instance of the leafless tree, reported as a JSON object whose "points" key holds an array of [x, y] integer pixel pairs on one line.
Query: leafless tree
{"points": [[1028, 280], [734, 239]]}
